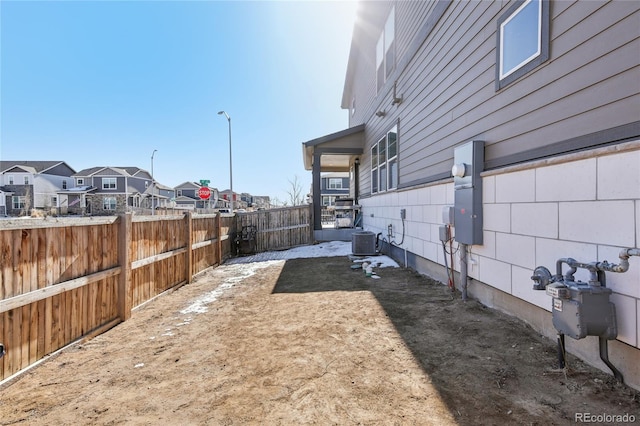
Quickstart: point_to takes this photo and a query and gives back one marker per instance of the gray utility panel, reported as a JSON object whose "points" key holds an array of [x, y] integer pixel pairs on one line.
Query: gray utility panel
{"points": [[468, 162]]}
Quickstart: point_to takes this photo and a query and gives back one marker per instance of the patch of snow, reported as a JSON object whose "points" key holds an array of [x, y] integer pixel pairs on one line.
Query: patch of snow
{"points": [[238, 269], [236, 274]]}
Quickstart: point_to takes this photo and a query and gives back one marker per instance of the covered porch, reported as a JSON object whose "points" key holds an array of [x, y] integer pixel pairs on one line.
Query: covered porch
{"points": [[336, 152]]}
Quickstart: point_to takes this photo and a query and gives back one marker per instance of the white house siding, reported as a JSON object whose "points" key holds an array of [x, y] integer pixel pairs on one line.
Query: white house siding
{"points": [[585, 206]]}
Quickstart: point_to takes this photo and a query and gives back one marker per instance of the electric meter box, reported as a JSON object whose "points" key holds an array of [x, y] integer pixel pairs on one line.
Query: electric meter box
{"points": [[468, 162], [588, 312]]}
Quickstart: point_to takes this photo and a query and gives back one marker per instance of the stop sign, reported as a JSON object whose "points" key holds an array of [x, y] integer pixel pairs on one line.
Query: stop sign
{"points": [[204, 193]]}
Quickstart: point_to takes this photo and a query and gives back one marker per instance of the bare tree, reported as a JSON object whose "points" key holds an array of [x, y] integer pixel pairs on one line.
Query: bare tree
{"points": [[295, 192], [26, 211]]}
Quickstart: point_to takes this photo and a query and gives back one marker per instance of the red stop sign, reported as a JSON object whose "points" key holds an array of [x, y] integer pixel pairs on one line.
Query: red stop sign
{"points": [[204, 193]]}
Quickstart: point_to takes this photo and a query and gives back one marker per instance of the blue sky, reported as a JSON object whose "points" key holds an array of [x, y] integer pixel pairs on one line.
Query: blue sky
{"points": [[104, 83]]}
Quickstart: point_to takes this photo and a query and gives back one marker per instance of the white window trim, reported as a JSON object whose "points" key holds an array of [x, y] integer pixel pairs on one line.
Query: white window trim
{"points": [[105, 180], [336, 181], [384, 44], [539, 36], [386, 165], [506, 77], [106, 206], [79, 181], [21, 201]]}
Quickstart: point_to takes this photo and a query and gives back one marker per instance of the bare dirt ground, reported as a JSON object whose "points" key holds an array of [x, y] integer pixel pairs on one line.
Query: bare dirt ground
{"points": [[310, 341]]}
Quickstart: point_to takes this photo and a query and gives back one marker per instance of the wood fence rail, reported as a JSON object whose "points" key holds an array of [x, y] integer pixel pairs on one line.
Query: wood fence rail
{"points": [[69, 278]]}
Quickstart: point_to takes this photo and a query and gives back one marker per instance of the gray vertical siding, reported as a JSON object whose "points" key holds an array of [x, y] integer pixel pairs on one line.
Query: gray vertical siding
{"points": [[589, 84]]}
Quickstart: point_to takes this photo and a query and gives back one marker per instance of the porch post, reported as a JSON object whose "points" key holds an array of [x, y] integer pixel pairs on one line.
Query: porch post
{"points": [[315, 188]]}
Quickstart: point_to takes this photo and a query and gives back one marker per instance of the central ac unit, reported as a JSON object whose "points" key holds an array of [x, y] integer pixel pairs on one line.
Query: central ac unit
{"points": [[363, 243]]}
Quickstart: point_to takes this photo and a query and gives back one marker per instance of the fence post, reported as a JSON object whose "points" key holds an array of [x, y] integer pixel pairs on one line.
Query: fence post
{"points": [[189, 242], [124, 259], [219, 237]]}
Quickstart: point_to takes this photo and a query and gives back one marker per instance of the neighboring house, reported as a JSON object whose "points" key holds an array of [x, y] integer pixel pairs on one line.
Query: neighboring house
{"points": [[112, 190], [332, 186], [253, 201], [261, 202], [27, 185], [187, 197], [160, 196], [237, 203], [551, 90], [3, 201]]}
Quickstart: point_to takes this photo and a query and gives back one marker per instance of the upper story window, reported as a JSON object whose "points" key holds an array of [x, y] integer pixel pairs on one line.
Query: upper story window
{"points": [[385, 51], [79, 181], [523, 40], [384, 162], [64, 184], [335, 183], [26, 180], [11, 180], [108, 183]]}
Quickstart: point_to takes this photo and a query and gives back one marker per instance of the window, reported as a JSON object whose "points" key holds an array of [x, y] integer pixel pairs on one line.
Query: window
{"points": [[64, 184], [19, 202], [335, 183], [179, 192], [26, 180], [109, 203], [523, 40], [108, 183], [54, 201], [10, 180], [328, 200], [79, 181], [384, 162], [385, 51]]}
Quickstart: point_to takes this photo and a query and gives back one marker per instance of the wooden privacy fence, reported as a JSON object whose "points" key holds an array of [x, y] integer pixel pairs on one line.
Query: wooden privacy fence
{"points": [[279, 229], [70, 278], [64, 279]]}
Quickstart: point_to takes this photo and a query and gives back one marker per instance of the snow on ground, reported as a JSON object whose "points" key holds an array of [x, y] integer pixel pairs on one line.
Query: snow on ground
{"points": [[328, 249], [240, 268]]}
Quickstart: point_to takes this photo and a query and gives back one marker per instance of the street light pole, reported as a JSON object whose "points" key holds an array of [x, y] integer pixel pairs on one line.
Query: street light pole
{"points": [[153, 184], [230, 162]]}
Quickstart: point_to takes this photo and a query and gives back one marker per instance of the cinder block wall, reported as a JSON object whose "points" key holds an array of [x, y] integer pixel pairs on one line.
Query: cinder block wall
{"points": [[583, 205]]}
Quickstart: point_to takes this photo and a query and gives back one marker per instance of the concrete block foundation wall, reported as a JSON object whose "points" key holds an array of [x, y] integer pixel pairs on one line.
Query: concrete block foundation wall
{"points": [[583, 205]]}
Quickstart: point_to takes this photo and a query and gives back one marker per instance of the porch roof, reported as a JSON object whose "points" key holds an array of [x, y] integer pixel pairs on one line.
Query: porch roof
{"points": [[338, 150]]}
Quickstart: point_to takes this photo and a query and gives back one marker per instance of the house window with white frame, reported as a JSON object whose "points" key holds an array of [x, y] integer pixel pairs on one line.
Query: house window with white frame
{"points": [[384, 162], [79, 181], [328, 200], [109, 203], [26, 180], [109, 183], [19, 202], [10, 180], [523, 40], [64, 184], [385, 51], [334, 183]]}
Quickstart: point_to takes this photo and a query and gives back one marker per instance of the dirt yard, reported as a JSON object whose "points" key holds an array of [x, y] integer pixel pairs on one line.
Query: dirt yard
{"points": [[310, 341]]}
